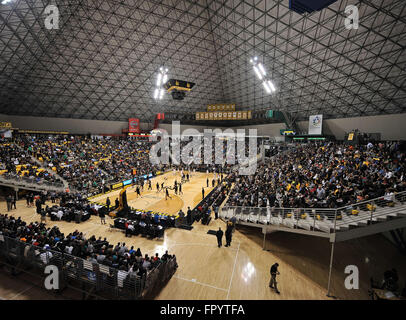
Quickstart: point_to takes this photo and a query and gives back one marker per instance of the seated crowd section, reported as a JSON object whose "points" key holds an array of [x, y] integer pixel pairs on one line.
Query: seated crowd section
{"points": [[125, 262], [16, 163], [323, 175], [90, 164]]}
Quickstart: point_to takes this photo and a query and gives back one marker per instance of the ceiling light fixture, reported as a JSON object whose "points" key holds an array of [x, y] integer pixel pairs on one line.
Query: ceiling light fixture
{"points": [[261, 74], [160, 81], [266, 86]]}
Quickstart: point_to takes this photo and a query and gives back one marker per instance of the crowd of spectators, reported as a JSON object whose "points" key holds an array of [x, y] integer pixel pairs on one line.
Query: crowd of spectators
{"points": [[89, 163], [16, 163], [326, 175], [128, 261], [94, 164]]}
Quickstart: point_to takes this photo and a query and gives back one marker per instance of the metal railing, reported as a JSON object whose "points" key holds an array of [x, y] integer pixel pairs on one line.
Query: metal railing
{"points": [[91, 279], [321, 219], [22, 182]]}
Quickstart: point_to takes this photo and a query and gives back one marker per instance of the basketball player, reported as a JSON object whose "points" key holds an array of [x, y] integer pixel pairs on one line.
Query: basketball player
{"points": [[138, 191], [149, 185], [180, 188], [167, 194], [157, 187]]}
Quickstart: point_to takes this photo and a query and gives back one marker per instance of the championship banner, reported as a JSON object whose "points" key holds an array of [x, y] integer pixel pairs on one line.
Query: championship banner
{"points": [[315, 124], [134, 125], [221, 107], [224, 115]]}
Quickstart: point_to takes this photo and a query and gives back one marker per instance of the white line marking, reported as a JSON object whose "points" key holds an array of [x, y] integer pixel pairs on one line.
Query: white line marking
{"points": [[20, 293], [202, 284], [198, 244], [232, 274]]}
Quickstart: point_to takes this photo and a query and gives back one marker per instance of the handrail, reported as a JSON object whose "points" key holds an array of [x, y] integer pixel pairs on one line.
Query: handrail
{"points": [[106, 278], [334, 219], [370, 200]]}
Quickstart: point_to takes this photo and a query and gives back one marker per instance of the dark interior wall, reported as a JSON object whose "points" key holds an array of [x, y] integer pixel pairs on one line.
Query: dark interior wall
{"points": [[391, 126], [76, 126]]}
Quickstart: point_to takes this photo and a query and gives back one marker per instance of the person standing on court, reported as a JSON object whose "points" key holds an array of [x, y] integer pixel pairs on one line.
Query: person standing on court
{"points": [[189, 216], [274, 273], [9, 201], [202, 192], [167, 194], [13, 202], [102, 216], [180, 188], [229, 234], [38, 204], [108, 203], [216, 212], [219, 235]]}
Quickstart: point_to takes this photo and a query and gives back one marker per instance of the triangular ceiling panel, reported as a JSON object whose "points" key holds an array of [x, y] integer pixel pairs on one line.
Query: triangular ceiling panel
{"points": [[103, 61]]}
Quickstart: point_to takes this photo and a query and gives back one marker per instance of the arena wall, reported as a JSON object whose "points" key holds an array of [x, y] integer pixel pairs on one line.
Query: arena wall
{"points": [[391, 127], [75, 126]]}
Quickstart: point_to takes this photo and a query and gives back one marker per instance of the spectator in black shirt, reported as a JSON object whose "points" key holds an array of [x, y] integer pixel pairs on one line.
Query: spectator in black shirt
{"points": [[274, 273], [219, 235], [108, 203]]}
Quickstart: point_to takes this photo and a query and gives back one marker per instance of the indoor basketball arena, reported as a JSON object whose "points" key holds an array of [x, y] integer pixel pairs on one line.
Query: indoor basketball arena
{"points": [[218, 150]]}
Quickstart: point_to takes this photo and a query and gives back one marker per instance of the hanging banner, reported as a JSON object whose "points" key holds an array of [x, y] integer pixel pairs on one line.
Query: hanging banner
{"points": [[223, 115], [315, 124], [134, 125]]}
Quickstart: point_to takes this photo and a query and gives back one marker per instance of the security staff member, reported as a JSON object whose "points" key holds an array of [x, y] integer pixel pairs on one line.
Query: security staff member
{"points": [[108, 203], [229, 233], [219, 235], [274, 273], [38, 204]]}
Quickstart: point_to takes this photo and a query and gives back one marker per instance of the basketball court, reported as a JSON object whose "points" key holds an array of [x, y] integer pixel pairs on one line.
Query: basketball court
{"points": [[155, 201]]}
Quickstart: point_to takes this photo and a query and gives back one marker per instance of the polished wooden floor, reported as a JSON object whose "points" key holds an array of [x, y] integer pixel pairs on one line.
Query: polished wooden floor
{"points": [[153, 200], [238, 272]]}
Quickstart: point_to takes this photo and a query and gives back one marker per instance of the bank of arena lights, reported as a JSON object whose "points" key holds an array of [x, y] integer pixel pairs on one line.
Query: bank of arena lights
{"points": [[5, 1], [261, 74], [160, 81]]}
